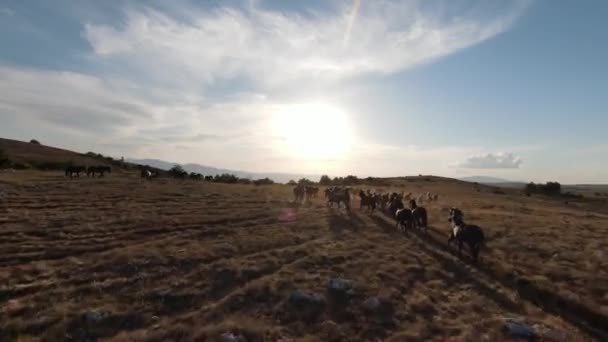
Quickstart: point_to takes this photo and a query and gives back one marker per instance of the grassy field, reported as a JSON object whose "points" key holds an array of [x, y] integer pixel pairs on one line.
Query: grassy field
{"points": [[124, 259]]}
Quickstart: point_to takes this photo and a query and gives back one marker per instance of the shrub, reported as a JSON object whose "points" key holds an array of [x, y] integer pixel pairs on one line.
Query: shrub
{"points": [[292, 182], [263, 181], [351, 180], [4, 161], [325, 180], [35, 142], [550, 188], [178, 172], [305, 181], [226, 178], [21, 166]]}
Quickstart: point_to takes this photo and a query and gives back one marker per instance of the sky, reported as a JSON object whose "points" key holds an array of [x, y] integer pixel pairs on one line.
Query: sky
{"points": [[512, 89]]}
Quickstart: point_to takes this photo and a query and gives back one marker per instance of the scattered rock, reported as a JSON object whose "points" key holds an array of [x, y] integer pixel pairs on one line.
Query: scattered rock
{"points": [[331, 330], [519, 329], [306, 305], [231, 337], [302, 299], [550, 334], [340, 290], [94, 316], [379, 308]]}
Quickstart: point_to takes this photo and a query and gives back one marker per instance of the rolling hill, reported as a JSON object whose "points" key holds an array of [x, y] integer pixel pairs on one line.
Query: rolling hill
{"points": [[208, 170], [25, 155]]}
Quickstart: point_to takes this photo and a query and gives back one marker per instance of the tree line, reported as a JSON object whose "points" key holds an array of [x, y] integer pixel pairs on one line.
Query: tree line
{"points": [[178, 171]]}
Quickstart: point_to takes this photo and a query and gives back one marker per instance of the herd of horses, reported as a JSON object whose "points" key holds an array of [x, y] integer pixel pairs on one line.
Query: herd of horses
{"points": [[413, 217], [91, 171]]}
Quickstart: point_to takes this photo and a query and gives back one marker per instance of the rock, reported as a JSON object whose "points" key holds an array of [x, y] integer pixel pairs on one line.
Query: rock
{"points": [[304, 305], [340, 290], [302, 299], [519, 329], [550, 334], [94, 316], [231, 337], [379, 308], [331, 330]]}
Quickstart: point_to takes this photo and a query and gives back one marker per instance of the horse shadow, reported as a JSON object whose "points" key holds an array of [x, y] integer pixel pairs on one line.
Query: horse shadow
{"points": [[584, 318], [340, 222], [430, 246]]}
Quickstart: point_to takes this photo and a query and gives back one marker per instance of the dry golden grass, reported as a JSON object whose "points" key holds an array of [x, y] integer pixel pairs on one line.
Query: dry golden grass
{"points": [[124, 259]]}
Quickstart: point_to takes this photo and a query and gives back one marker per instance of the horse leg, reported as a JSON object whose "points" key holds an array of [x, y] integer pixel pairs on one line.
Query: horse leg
{"points": [[459, 248], [475, 250]]}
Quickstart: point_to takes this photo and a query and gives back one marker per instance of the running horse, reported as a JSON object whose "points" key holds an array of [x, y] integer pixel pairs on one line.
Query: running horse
{"points": [[419, 216], [100, 170], [367, 200], [71, 170], [465, 233]]}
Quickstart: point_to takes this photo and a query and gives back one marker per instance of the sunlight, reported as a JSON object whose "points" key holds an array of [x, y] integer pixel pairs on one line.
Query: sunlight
{"points": [[313, 131]]}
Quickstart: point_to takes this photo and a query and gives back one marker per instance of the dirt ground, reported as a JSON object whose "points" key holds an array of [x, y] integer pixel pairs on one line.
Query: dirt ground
{"points": [[124, 259]]}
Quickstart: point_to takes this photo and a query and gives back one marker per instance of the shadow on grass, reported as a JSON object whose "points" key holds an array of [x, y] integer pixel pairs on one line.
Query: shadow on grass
{"points": [[340, 221], [577, 314], [430, 247]]}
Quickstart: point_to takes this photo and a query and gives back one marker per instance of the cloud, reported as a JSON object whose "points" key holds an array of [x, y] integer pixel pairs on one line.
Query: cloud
{"points": [[7, 11], [270, 47], [499, 160], [209, 79], [71, 100]]}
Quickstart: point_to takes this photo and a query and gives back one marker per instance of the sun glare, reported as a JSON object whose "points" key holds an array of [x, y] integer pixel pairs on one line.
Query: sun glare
{"points": [[313, 131]]}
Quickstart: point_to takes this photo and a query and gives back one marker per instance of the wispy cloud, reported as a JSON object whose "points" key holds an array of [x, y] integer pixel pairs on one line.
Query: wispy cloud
{"points": [[268, 47], [209, 79]]}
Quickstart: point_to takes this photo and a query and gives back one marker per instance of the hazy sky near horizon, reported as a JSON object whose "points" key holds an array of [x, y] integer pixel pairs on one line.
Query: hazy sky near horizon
{"points": [[513, 89]]}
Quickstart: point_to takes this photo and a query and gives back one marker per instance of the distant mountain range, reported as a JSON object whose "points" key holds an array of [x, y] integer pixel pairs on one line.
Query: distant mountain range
{"points": [[494, 181], [485, 180], [208, 170]]}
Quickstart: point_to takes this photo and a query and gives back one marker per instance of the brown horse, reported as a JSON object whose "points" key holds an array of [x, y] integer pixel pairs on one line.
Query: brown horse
{"points": [[419, 216], [100, 170], [367, 200]]}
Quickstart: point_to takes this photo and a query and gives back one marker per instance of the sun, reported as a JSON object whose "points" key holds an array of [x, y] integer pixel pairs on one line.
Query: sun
{"points": [[313, 130]]}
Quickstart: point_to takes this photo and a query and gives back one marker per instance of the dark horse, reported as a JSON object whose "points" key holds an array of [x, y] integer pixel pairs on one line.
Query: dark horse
{"points": [[403, 218], [419, 216], [100, 170], [465, 233], [145, 173], [367, 200], [338, 196], [71, 170], [299, 192]]}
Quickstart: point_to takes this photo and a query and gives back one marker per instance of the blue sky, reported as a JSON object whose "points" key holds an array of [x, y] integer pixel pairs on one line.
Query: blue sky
{"points": [[513, 89]]}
